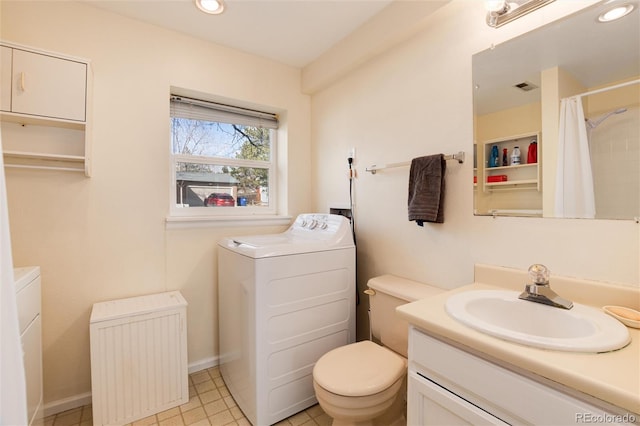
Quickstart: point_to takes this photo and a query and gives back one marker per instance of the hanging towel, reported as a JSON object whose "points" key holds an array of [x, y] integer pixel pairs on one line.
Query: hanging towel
{"points": [[426, 189]]}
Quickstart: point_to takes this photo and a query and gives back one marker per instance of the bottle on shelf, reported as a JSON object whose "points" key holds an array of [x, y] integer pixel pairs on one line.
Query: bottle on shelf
{"points": [[494, 160], [515, 156], [505, 162], [532, 154]]}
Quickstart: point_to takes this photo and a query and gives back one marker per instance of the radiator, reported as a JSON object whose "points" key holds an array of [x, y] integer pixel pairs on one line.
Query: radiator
{"points": [[138, 357]]}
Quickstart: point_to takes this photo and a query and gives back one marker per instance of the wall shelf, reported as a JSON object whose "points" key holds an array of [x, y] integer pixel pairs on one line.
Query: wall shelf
{"points": [[42, 161], [24, 120], [42, 156], [45, 109], [518, 166], [513, 183], [522, 187]]}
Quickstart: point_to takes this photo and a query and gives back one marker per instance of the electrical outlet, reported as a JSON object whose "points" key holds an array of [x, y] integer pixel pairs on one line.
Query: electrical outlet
{"points": [[341, 211], [352, 154]]}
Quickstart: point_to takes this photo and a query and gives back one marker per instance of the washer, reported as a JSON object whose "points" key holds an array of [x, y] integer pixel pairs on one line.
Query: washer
{"points": [[284, 300]]}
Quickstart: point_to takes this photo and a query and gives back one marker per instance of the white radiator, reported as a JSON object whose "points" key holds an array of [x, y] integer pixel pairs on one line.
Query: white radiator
{"points": [[138, 357]]}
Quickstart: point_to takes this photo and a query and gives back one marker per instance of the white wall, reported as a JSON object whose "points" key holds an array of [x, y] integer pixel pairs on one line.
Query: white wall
{"points": [[417, 100], [104, 237], [616, 141]]}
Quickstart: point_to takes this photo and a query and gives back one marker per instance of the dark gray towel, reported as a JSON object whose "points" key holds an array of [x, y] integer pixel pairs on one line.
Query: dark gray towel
{"points": [[426, 189]]}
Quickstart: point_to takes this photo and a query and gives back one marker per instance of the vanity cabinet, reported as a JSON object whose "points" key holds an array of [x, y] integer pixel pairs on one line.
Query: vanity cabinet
{"points": [[447, 385], [44, 107], [510, 187], [430, 404], [28, 302]]}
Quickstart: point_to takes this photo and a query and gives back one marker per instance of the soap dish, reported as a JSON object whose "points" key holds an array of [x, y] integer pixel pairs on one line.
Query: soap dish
{"points": [[627, 316]]}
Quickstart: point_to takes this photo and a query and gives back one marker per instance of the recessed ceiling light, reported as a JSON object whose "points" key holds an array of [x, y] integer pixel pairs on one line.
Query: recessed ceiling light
{"points": [[213, 7], [615, 13]]}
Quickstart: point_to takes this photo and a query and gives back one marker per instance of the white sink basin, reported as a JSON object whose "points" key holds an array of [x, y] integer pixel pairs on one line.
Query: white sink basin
{"points": [[501, 314]]}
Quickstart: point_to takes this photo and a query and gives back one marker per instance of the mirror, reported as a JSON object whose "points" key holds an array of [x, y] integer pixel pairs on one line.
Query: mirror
{"points": [[517, 89]]}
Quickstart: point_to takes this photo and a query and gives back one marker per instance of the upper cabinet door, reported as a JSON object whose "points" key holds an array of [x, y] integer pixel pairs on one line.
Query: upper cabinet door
{"points": [[47, 86], [5, 78]]}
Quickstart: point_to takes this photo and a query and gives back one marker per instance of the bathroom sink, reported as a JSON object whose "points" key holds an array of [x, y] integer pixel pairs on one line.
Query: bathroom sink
{"points": [[501, 314]]}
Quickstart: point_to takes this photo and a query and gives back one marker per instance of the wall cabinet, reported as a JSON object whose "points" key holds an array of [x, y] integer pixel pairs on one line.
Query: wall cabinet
{"points": [[447, 385], [45, 109], [5, 78], [507, 187]]}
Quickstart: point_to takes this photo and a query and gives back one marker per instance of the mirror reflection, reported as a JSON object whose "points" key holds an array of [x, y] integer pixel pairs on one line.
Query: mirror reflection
{"points": [[557, 120]]}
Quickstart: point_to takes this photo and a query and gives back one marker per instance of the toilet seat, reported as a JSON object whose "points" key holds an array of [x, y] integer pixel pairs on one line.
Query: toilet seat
{"points": [[359, 369]]}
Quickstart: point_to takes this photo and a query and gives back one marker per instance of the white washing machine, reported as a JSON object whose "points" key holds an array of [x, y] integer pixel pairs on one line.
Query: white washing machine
{"points": [[284, 300]]}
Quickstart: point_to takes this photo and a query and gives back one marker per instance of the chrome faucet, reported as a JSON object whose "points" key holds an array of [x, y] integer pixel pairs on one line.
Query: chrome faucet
{"points": [[540, 291]]}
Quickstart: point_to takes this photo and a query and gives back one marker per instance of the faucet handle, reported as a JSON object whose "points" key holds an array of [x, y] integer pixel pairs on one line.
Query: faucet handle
{"points": [[539, 274]]}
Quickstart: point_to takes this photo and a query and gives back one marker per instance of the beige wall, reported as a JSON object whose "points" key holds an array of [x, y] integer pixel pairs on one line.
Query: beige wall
{"points": [[104, 237], [509, 122], [628, 97], [417, 100]]}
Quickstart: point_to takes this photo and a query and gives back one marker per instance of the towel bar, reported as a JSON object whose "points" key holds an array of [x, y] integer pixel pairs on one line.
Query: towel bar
{"points": [[459, 157]]}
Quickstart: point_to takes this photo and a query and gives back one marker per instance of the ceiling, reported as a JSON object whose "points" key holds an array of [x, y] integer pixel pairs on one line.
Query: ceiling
{"points": [[293, 32], [593, 53]]}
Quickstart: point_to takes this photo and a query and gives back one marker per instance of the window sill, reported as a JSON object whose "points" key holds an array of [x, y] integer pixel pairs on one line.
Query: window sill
{"points": [[179, 222]]}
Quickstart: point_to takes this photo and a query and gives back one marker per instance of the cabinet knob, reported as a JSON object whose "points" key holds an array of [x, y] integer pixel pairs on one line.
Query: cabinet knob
{"points": [[22, 81]]}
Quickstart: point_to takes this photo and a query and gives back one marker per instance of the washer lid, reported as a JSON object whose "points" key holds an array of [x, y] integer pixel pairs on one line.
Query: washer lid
{"points": [[359, 369], [309, 233]]}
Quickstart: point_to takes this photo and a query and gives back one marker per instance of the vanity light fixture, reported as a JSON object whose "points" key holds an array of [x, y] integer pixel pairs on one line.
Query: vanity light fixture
{"points": [[499, 12], [212, 7], [616, 12]]}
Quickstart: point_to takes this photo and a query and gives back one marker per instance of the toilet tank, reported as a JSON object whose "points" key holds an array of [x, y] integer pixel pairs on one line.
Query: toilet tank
{"points": [[390, 291]]}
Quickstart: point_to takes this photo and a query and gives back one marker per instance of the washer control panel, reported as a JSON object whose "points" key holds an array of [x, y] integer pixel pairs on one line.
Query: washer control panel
{"points": [[314, 223], [328, 223], [309, 233]]}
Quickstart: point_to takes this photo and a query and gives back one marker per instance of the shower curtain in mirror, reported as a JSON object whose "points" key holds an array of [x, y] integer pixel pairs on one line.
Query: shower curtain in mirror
{"points": [[574, 196], [13, 399]]}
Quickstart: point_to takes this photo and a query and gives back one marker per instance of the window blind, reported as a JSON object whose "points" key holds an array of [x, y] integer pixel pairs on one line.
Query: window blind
{"points": [[195, 109]]}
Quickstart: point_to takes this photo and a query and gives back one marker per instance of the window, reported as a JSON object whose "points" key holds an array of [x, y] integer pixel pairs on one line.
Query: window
{"points": [[222, 158]]}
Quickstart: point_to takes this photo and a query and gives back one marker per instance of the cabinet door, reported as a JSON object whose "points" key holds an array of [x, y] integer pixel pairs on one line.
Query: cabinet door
{"points": [[32, 347], [5, 78], [48, 86], [430, 404]]}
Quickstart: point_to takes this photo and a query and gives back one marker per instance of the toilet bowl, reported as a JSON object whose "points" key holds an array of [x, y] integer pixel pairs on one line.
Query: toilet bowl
{"points": [[358, 383], [364, 383]]}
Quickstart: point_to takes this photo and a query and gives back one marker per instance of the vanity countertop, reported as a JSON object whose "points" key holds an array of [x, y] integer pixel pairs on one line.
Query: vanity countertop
{"points": [[613, 377]]}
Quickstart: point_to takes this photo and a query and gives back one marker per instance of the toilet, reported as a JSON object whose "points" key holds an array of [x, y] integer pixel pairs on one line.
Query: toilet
{"points": [[364, 383]]}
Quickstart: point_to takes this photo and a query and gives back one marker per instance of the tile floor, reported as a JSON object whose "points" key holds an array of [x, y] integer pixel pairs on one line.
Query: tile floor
{"points": [[210, 403]]}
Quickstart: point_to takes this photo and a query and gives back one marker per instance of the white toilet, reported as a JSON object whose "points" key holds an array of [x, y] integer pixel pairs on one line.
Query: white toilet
{"points": [[364, 383]]}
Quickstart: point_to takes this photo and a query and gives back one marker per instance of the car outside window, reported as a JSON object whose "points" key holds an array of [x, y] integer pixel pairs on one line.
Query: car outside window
{"points": [[223, 159]]}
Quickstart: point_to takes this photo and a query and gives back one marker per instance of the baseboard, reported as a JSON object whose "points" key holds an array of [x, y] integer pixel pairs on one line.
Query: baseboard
{"points": [[55, 407], [82, 399], [203, 364]]}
